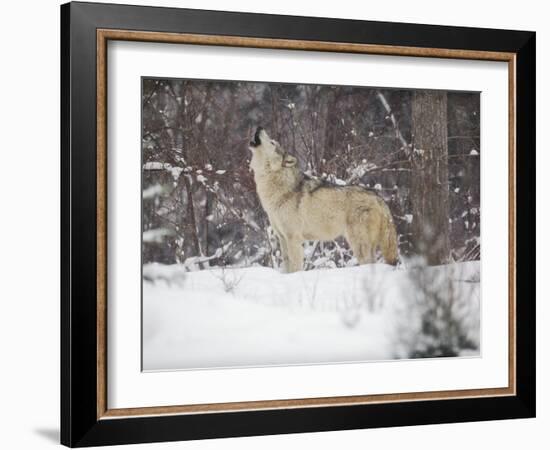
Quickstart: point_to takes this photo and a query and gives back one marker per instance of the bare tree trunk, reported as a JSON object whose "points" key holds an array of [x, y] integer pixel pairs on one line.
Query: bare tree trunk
{"points": [[191, 221], [330, 125], [430, 180]]}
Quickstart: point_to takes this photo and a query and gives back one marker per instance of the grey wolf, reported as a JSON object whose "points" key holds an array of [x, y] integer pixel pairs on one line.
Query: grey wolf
{"points": [[302, 208]]}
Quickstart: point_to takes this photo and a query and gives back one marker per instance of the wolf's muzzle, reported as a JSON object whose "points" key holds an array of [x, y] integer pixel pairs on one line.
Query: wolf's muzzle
{"points": [[256, 142]]}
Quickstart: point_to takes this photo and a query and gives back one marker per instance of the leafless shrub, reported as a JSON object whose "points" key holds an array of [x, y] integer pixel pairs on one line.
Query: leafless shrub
{"points": [[308, 295], [442, 318], [171, 275], [229, 277], [366, 296]]}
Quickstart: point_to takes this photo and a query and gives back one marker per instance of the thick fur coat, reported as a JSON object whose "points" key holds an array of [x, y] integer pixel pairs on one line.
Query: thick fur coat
{"points": [[301, 208]]}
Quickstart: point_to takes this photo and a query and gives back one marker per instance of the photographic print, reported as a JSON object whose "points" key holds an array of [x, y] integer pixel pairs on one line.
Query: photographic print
{"points": [[250, 217], [289, 224]]}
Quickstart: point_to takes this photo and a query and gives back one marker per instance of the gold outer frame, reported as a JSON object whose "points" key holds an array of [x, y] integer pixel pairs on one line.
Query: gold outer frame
{"points": [[103, 36]]}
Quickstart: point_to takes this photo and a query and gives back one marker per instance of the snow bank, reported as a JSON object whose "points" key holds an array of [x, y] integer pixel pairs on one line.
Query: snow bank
{"points": [[257, 316]]}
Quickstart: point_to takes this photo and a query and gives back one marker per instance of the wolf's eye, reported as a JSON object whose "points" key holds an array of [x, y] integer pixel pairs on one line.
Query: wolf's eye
{"points": [[272, 141]]}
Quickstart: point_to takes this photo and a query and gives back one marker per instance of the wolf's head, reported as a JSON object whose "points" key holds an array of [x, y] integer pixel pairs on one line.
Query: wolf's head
{"points": [[267, 154]]}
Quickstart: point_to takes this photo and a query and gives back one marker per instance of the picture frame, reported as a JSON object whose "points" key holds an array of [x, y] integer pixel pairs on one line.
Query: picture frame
{"points": [[86, 419]]}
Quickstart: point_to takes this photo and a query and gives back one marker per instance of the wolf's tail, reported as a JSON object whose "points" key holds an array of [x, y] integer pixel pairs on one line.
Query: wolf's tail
{"points": [[389, 241]]}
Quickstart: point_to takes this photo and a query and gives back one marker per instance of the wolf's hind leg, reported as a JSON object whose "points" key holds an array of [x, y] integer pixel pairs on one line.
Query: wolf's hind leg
{"points": [[355, 245], [361, 248], [364, 253], [356, 249], [368, 253]]}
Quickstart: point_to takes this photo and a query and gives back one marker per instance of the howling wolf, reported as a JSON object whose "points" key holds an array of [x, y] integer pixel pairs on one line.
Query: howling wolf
{"points": [[301, 208]]}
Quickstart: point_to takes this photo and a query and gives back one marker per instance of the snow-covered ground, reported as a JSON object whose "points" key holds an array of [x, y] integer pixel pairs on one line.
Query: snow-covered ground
{"points": [[257, 316]]}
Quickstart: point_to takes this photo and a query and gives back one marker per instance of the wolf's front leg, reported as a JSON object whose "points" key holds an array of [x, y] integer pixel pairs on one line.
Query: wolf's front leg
{"points": [[284, 251], [295, 255]]}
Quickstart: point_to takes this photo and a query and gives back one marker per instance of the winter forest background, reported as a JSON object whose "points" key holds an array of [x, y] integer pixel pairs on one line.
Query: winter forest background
{"points": [[200, 206], [419, 150]]}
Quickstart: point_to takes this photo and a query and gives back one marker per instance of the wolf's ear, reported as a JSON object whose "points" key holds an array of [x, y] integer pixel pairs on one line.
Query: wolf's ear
{"points": [[289, 161]]}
